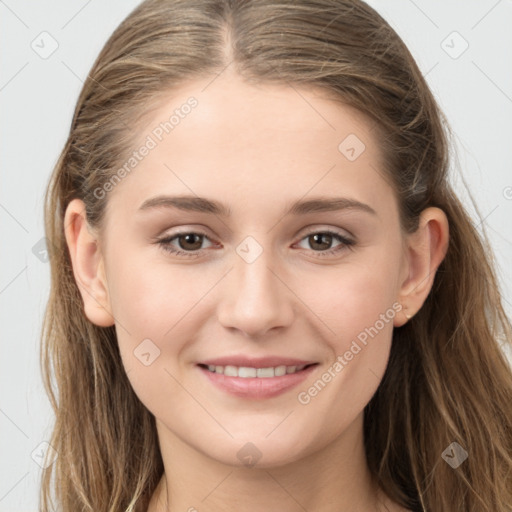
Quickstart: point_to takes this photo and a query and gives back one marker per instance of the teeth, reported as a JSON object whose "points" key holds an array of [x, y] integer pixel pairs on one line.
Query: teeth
{"points": [[279, 371], [246, 372], [243, 371], [265, 372], [231, 371]]}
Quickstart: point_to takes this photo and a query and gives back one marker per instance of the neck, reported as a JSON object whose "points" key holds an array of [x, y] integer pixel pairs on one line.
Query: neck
{"points": [[334, 479]]}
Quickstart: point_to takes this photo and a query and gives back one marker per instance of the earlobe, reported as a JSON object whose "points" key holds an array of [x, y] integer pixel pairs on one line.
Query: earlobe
{"points": [[426, 249], [88, 265]]}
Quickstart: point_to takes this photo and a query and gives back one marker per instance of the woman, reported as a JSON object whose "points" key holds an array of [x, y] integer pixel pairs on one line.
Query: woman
{"points": [[329, 340]]}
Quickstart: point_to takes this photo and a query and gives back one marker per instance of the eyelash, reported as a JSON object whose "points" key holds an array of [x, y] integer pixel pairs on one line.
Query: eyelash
{"points": [[165, 243]]}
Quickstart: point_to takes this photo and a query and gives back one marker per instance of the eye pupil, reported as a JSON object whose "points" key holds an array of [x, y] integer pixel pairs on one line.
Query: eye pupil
{"points": [[189, 237], [318, 236]]}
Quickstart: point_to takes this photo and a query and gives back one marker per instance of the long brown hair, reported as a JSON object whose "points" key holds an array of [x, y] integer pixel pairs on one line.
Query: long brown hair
{"points": [[447, 379]]}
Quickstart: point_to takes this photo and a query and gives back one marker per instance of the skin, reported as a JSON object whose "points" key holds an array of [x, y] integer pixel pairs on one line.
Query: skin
{"points": [[257, 149]]}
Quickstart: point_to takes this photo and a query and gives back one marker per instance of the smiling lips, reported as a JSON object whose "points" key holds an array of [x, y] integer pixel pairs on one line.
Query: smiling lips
{"points": [[247, 372], [256, 378]]}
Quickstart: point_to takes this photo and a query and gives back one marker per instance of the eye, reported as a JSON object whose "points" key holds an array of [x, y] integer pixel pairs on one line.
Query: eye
{"points": [[321, 241], [189, 243]]}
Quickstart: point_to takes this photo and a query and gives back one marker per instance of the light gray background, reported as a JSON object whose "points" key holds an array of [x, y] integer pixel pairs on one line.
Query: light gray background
{"points": [[37, 97]]}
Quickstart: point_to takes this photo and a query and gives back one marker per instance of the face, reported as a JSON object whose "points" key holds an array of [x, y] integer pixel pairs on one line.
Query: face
{"points": [[287, 251]]}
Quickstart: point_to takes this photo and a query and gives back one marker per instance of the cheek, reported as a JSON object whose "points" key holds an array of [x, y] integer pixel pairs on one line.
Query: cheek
{"points": [[150, 322], [148, 297], [149, 303], [159, 308], [361, 315], [358, 304], [354, 297]]}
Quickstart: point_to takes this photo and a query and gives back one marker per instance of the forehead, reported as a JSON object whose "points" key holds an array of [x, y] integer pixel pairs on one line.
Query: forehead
{"points": [[225, 137], [234, 113]]}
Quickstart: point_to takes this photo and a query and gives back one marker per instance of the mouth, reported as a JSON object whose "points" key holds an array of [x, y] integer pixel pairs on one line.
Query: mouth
{"points": [[247, 372], [256, 381]]}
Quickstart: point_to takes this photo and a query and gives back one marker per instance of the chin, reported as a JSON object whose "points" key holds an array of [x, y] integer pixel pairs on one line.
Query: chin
{"points": [[260, 452]]}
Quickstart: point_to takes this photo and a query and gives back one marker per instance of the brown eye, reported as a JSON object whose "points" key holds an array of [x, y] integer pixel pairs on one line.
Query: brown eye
{"points": [[321, 242], [184, 244], [190, 241]]}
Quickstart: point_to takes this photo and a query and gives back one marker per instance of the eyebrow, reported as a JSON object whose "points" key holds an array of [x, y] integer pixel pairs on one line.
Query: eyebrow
{"points": [[300, 207]]}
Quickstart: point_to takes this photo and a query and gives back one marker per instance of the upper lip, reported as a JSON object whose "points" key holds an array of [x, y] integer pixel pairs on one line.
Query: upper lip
{"points": [[255, 362]]}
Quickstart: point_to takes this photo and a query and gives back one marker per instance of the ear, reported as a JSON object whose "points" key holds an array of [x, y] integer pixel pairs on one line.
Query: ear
{"points": [[88, 266], [425, 250]]}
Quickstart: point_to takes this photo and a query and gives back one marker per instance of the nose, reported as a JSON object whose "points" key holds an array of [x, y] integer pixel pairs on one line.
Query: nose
{"points": [[256, 297]]}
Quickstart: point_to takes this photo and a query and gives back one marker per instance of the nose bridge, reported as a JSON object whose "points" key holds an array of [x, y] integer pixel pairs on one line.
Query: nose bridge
{"points": [[255, 300]]}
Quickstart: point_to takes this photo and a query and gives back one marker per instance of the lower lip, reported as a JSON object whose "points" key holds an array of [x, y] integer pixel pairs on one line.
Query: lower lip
{"points": [[256, 387]]}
